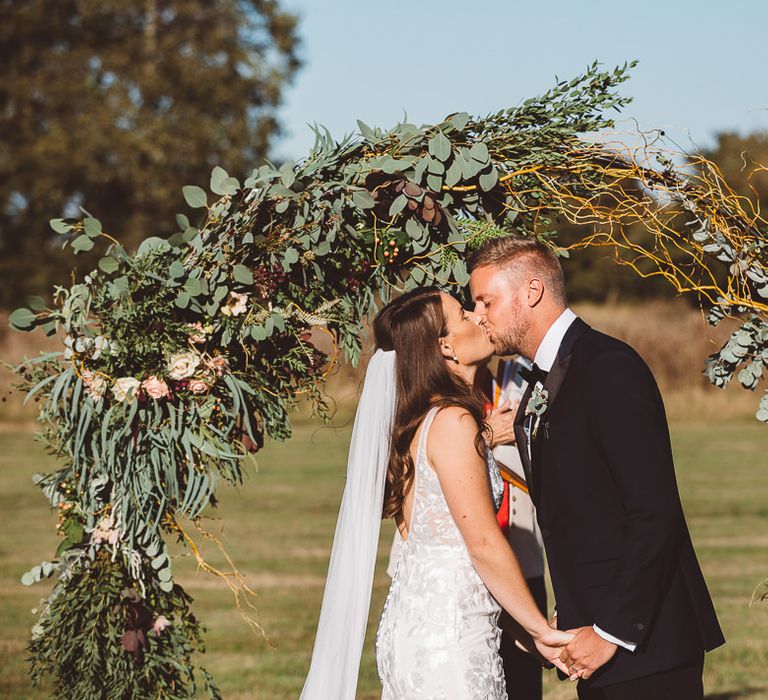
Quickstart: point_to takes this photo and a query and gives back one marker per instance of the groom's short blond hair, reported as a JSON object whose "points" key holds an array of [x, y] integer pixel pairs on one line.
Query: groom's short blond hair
{"points": [[521, 256]]}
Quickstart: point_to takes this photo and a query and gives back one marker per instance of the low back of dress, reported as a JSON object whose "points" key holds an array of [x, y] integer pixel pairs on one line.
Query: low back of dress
{"points": [[438, 636]]}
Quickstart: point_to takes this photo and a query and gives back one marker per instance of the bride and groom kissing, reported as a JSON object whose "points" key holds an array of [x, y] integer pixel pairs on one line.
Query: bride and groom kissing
{"points": [[633, 614]]}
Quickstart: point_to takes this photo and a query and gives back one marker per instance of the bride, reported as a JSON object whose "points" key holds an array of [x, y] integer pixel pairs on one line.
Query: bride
{"points": [[418, 454]]}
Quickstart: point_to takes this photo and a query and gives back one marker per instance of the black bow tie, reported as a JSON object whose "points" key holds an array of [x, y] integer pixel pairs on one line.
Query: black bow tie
{"points": [[534, 374]]}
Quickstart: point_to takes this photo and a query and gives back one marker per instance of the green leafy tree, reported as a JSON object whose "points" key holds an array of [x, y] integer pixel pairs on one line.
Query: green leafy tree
{"points": [[114, 105]]}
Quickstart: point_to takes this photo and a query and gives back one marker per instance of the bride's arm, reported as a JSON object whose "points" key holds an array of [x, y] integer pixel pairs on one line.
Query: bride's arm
{"points": [[463, 477]]}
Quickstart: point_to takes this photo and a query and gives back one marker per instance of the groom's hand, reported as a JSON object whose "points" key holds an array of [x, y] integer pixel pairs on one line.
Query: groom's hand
{"points": [[587, 652]]}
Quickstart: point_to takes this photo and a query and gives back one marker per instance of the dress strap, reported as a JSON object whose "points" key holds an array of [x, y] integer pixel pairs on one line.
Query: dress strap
{"points": [[421, 459], [426, 424]]}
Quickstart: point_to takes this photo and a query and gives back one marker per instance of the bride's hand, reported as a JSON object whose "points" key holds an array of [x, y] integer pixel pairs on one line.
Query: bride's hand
{"points": [[549, 646], [553, 637]]}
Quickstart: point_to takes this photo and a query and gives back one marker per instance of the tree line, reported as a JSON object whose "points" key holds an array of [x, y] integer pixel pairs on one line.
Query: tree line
{"points": [[111, 107]]}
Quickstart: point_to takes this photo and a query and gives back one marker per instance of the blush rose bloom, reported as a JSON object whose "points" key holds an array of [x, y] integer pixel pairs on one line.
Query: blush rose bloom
{"points": [[236, 304], [126, 388], [156, 388], [198, 386], [183, 365]]}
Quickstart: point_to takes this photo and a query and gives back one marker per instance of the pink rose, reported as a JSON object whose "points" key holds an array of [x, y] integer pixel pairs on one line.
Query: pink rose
{"points": [[156, 388], [197, 386]]}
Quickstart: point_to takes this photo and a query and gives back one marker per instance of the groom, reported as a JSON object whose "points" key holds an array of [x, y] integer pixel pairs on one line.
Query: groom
{"points": [[594, 442]]}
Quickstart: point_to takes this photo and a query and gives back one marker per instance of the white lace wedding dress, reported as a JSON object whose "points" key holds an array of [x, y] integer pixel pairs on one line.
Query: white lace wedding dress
{"points": [[438, 636]]}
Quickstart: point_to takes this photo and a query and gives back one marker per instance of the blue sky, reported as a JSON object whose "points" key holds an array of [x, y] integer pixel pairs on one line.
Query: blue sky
{"points": [[702, 64]]}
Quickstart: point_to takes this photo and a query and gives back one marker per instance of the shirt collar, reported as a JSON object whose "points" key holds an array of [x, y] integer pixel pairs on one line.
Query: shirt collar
{"points": [[550, 344]]}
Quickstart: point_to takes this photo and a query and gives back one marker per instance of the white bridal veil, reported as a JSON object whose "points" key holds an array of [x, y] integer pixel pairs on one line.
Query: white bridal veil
{"points": [[347, 599]]}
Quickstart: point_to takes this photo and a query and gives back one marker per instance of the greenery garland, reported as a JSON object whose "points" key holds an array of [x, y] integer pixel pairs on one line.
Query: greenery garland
{"points": [[180, 355]]}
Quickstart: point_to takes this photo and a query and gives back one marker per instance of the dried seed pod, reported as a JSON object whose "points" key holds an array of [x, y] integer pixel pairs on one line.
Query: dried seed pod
{"points": [[412, 189]]}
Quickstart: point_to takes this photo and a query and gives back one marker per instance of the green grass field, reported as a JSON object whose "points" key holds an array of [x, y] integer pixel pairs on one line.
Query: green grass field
{"points": [[278, 528]]}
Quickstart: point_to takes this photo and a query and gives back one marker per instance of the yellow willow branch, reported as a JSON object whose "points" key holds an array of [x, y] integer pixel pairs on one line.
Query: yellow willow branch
{"points": [[233, 578]]}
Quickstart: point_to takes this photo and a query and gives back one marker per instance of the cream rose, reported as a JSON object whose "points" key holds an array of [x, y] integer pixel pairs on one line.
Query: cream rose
{"points": [[156, 388], [183, 365], [236, 304], [95, 385], [126, 388]]}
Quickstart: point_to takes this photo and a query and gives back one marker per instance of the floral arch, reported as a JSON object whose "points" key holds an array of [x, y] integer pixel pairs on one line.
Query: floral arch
{"points": [[179, 352]]}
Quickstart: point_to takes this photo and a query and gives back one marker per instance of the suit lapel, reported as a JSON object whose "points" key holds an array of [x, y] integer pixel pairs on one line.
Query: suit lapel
{"points": [[557, 374], [552, 385]]}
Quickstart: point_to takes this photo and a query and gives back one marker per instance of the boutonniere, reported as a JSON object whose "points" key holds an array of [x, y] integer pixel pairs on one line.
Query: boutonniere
{"points": [[536, 406]]}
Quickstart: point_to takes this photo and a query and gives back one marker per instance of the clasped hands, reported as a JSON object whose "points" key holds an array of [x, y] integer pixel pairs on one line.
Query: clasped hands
{"points": [[577, 652], [586, 653]]}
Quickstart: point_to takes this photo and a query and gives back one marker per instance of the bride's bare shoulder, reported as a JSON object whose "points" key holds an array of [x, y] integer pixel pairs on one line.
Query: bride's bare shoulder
{"points": [[453, 432], [454, 417]]}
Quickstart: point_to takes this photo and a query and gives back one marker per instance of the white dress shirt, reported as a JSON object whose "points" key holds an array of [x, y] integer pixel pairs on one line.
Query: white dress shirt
{"points": [[546, 354]]}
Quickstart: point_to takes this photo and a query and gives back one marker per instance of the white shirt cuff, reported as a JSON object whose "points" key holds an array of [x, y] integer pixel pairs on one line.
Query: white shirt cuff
{"points": [[629, 646]]}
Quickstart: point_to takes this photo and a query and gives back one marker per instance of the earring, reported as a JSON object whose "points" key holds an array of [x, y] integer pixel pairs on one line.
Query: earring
{"points": [[455, 359]]}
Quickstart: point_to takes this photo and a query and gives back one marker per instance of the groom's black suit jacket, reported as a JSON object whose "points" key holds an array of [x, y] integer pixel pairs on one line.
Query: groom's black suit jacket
{"points": [[603, 482]]}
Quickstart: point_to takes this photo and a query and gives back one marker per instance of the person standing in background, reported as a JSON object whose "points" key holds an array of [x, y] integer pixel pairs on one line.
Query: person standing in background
{"points": [[517, 517]]}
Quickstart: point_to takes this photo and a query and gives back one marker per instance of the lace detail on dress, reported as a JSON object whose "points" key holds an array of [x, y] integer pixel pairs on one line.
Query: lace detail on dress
{"points": [[438, 637]]}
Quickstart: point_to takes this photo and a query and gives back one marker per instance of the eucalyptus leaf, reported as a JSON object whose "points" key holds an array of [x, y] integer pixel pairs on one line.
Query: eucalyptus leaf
{"points": [[242, 274], [439, 147], [398, 204], [108, 264], [479, 153], [60, 226], [459, 120], [22, 319], [219, 178], [82, 244], [454, 173], [363, 199], [195, 196], [36, 303], [92, 227], [488, 180], [287, 174], [193, 286], [365, 131], [176, 269]]}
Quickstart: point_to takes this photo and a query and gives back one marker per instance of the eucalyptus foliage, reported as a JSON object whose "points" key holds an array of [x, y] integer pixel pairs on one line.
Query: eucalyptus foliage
{"points": [[176, 354]]}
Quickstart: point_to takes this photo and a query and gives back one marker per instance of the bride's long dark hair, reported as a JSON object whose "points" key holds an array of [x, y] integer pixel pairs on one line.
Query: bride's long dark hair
{"points": [[411, 325]]}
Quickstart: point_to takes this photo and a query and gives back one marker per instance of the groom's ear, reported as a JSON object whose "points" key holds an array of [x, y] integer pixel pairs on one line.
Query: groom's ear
{"points": [[535, 291]]}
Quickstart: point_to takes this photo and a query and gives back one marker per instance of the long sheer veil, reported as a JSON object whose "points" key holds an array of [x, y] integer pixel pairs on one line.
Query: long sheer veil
{"points": [[347, 599]]}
